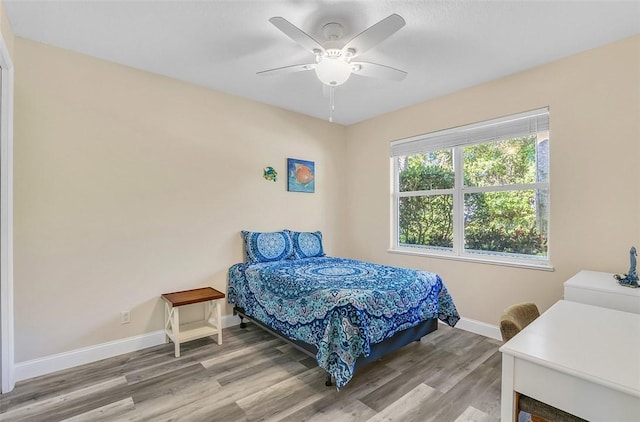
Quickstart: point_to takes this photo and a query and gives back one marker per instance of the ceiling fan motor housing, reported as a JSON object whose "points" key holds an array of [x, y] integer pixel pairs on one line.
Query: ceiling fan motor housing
{"points": [[332, 31]]}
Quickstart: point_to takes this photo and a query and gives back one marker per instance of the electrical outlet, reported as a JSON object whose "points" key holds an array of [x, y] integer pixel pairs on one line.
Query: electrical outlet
{"points": [[125, 317]]}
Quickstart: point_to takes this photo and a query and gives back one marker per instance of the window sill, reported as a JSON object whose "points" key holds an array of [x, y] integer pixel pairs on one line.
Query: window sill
{"points": [[543, 266]]}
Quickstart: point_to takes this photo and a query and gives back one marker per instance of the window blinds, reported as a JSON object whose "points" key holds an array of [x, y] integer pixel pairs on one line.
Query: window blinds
{"points": [[513, 126]]}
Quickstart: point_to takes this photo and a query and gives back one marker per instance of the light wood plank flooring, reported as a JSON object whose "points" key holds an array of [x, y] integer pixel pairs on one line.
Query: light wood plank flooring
{"points": [[450, 375]]}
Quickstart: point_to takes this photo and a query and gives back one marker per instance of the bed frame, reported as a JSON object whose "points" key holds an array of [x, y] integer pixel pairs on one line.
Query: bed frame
{"points": [[378, 350]]}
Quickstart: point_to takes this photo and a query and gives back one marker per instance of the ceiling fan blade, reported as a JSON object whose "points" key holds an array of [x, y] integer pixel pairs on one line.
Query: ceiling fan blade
{"points": [[296, 34], [374, 35], [374, 70], [287, 69]]}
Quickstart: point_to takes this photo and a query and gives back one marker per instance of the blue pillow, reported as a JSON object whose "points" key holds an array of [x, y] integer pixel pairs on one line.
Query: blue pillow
{"points": [[267, 246], [306, 244]]}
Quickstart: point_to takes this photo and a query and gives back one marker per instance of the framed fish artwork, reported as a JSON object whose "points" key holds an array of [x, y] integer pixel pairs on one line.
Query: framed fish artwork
{"points": [[301, 175]]}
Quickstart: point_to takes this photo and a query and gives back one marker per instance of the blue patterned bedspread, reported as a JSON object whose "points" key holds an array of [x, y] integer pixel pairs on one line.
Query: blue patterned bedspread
{"points": [[341, 306]]}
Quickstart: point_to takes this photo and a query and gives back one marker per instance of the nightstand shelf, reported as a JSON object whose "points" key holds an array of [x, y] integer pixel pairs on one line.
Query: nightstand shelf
{"points": [[212, 323]]}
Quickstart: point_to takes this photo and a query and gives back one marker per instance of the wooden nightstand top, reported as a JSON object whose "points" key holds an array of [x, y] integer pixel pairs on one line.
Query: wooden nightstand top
{"points": [[187, 297]]}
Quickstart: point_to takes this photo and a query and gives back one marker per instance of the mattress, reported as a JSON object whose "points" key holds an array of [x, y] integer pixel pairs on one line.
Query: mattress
{"points": [[340, 306]]}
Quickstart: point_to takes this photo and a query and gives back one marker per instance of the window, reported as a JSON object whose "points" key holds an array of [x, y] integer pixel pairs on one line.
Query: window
{"points": [[477, 192]]}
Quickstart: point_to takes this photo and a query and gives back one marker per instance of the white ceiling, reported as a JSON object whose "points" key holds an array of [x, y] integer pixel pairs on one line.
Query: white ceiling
{"points": [[445, 45]]}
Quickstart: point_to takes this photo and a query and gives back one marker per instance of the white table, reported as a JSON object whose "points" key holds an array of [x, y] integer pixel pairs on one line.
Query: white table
{"points": [[580, 358], [601, 289]]}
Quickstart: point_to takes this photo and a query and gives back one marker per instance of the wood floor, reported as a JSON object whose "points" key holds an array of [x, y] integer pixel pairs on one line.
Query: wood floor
{"points": [[450, 375]]}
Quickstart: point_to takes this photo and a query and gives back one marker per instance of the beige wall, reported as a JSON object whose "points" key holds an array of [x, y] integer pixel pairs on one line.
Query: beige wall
{"points": [[594, 101], [5, 28], [129, 184]]}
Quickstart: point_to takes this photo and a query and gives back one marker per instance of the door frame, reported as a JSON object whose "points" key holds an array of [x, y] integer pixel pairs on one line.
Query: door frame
{"points": [[7, 381]]}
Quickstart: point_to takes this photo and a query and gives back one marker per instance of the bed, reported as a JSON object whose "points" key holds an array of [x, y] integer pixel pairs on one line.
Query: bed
{"points": [[344, 312]]}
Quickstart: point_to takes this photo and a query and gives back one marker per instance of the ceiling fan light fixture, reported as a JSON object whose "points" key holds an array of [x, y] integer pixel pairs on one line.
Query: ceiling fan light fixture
{"points": [[333, 71]]}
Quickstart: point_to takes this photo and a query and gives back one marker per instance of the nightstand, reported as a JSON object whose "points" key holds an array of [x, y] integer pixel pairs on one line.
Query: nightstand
{"points": [[212, 323]]}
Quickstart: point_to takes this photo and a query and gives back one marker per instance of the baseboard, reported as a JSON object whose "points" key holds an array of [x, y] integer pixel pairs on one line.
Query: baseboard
{"points": [[48, 364], [52, 363], [478, 327]]}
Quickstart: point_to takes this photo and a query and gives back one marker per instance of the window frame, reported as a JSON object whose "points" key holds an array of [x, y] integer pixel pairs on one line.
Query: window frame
{"points": [[458, 251]]}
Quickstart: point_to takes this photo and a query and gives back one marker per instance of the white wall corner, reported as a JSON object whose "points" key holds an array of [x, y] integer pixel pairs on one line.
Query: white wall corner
{"points": [[48, 364]]}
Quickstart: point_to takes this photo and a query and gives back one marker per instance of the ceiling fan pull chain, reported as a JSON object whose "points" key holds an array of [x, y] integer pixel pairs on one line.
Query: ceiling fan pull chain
{"points": [[332, 105]]}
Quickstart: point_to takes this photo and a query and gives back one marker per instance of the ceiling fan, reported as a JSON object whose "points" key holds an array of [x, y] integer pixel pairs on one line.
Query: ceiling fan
{"points": [[334, 63]]}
